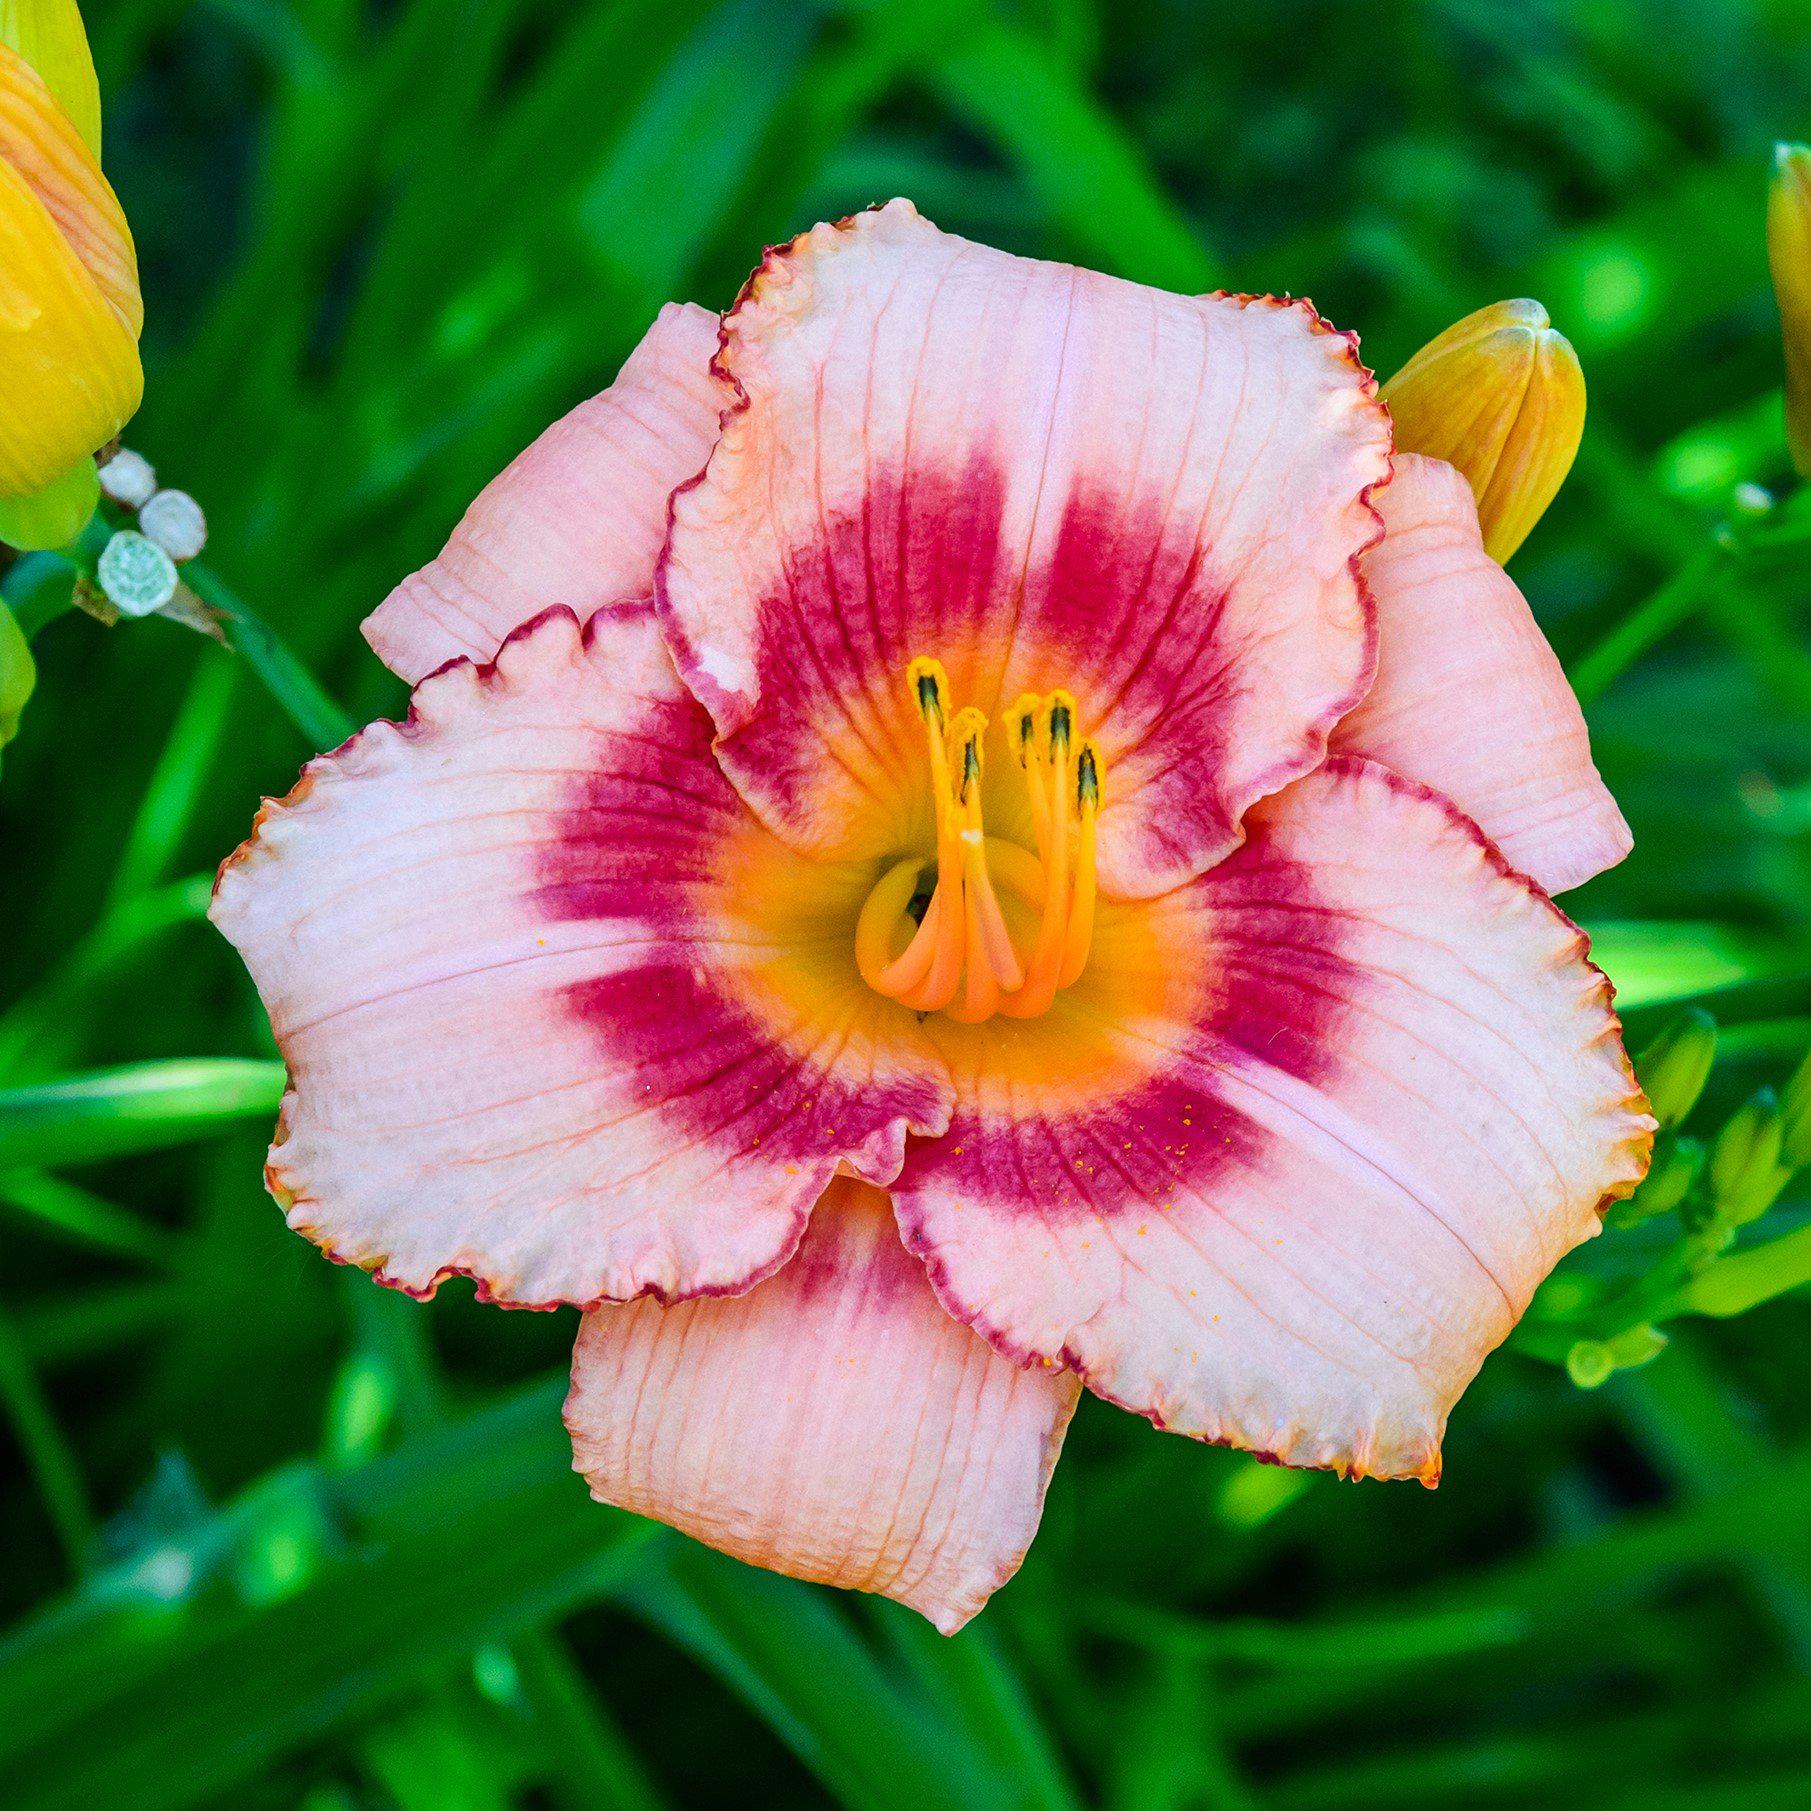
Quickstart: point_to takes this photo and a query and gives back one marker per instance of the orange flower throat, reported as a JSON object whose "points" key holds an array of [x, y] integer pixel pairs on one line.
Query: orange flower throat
{"points": [[956, 954]]}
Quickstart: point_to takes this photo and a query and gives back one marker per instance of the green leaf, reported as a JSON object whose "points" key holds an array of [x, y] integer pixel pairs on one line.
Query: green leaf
{"points": [[161, 1686], [1074, 154], [142, 1107], [789, 1653]]}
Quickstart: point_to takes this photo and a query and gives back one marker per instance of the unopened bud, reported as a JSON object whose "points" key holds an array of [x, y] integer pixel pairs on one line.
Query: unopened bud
{"points": [[173, 519], [55, 513], [1590, 1363], [1789, 255], [49, 35], [70, 311], [1635, 1346], [1744, 1171], [136, 575], [18, 673], [1795, 1118], [1675, 1066], [1501, 397], [1676, 1167]]}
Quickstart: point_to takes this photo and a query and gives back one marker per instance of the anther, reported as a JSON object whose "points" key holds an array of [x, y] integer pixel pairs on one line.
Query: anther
{"points": [[959, 956]]}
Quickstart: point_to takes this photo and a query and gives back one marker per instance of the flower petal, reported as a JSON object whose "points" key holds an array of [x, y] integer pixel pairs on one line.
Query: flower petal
{"points": [[578, 519], [1469, 698], [45, 148], [834, 1424], [547, 995], [1043, 477], [1357, 1094]]}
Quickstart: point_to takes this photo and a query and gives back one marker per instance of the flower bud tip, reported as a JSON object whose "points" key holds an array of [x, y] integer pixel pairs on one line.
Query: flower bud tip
{"points": [[1499, 396]]}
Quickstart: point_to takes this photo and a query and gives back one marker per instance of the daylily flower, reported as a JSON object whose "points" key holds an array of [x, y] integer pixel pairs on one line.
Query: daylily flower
{"points": [[953, 842], [70, 312]]}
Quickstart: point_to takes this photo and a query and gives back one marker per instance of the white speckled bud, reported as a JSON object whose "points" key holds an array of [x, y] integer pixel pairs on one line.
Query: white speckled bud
{"points": [[128, 480], [136, 574], [173, 519]]}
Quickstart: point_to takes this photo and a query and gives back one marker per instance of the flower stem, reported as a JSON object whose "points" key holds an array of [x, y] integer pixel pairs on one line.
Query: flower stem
{"points": [[38, 589], [1686, 592], [300, 694]]}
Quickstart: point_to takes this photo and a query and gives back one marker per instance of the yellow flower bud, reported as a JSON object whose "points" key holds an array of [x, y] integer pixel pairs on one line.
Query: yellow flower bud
{"points": [[1500, 396], [1789, 253], [48, 35], [70, 312]]}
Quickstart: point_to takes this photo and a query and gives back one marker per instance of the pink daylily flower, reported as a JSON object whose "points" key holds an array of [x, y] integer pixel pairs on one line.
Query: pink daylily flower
{"points": [[955, 841]]}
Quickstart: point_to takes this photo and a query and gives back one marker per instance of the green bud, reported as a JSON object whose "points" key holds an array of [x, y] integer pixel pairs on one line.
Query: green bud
{"points": [[1636, 1346], [1795, 1108], [1675, 1066], [18, 673], [1590, 1363], [1676, 1167], [1744, 1170]]}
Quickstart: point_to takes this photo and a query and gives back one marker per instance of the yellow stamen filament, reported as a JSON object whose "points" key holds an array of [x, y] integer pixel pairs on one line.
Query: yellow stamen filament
{"points": [[886, 906], [1080, 933], [960, 957], [1026, 722]]}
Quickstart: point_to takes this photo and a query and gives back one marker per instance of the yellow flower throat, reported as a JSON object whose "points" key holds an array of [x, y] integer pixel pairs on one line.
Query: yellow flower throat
{"points": [[959, 957]]}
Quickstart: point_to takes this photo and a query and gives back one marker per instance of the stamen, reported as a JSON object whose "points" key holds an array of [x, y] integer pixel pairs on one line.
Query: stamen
{"points": [[1081, 916], [960, 957], [992, 965], [880, 916], [1024, 722], [930, 971]]}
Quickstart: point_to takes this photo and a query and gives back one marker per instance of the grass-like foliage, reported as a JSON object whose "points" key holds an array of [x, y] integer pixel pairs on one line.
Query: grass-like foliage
{"points": [[271, 1537]]}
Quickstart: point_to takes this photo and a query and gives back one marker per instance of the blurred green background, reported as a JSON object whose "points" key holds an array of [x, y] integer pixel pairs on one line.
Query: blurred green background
{"points": [[271, 1537]]}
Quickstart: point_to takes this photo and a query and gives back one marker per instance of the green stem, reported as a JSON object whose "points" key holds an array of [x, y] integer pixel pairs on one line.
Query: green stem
{"points": [[1745, 1279], [1682, 596], [300, 694], [38, 590]]}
